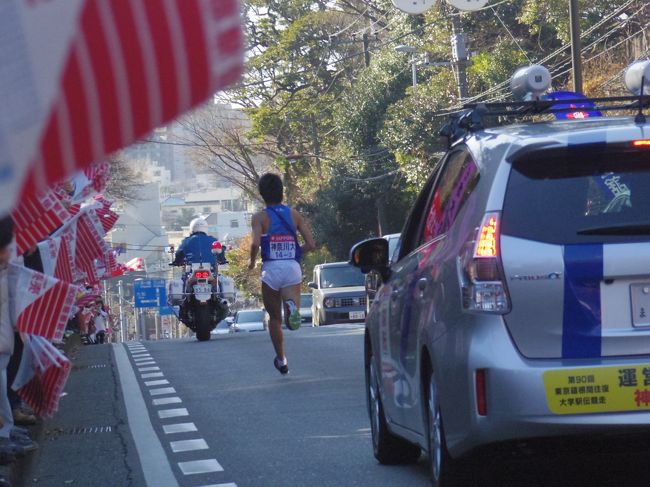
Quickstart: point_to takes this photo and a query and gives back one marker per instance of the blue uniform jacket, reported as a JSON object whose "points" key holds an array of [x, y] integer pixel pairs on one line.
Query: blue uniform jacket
{"points": [[197, 248]]}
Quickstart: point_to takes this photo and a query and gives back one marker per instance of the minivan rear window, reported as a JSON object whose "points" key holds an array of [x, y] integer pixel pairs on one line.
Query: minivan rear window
{"points": [[579, 196]]}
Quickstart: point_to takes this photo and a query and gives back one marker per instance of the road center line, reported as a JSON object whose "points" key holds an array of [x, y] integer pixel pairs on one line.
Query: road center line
{"points": [[155, 465]]}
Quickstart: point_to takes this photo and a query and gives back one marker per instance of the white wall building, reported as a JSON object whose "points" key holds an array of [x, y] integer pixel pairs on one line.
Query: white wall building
{"points": [[139, 231]]}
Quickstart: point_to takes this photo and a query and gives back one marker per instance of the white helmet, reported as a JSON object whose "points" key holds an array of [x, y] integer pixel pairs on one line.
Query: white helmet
{"points": [[198, 225]]}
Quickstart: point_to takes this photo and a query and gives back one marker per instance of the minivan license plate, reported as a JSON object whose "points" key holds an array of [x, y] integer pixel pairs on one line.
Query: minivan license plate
{"points": [[357, 315], [640, 295]]}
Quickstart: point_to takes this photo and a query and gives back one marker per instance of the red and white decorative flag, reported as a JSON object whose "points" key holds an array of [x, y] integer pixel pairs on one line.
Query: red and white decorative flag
{"points": [[42, 375], [107, 217], [42, 304], [36, 218], [135, 264], [91, 248], [56, 258], [84, 235], [97, 75]]}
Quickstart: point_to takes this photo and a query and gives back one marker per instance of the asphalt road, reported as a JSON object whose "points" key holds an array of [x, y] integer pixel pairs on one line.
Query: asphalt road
{"points": [[250, 426]]}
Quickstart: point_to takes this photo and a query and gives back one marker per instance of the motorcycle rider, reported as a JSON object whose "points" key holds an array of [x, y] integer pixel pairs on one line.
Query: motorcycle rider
{"points": [[197, 249]]}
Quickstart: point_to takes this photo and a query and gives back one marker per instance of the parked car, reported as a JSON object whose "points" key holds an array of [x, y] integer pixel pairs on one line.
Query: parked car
{"points": [[306, 302], [518, 306], [223, 328], [338, 294], [249, 320]]}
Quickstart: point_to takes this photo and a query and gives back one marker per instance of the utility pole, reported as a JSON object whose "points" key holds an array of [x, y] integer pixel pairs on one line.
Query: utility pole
{"points": [[120, 297], [576, 46], [459, 55], [136, 323], [366, 50]]}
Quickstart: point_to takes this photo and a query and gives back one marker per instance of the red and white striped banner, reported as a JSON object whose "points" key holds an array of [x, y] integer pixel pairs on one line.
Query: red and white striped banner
{"points": [[42, 304], [105, 74], [42, 375]]}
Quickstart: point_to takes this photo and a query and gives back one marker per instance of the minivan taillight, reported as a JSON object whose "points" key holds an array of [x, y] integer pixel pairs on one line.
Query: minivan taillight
{"points": [[479, 266]]}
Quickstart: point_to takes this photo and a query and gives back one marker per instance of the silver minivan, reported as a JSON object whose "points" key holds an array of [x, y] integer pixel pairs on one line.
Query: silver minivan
{"points": [[518, 304]]}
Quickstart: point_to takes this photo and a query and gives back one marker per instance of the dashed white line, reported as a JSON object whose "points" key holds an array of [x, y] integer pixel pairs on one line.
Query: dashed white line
{"points": [[152, 375], [141, 358], [179, 428], [162, 390], [166, 400], [200, 466], [161, 382], [155, 465], [145, 369], [146, 363], [188, 445], [172, 413]]}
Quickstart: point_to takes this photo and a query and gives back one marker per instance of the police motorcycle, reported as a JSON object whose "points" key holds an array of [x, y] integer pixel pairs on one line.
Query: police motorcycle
{"points": [[199, 294]]}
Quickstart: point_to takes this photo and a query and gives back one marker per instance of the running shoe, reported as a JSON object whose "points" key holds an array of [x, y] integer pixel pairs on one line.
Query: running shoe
{"points": [[294, 315], [283, 368]]}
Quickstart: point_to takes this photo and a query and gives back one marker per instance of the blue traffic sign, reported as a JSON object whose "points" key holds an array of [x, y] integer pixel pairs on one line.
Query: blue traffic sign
{"points": [[167, 311], [149, 293]]}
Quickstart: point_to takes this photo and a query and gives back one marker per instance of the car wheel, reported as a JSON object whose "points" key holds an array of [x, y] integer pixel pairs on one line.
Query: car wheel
{"points": [[388, 448], [442, 465]]}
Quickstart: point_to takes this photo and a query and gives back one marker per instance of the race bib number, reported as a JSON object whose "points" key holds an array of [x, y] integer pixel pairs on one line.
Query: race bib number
{"points": [[282, 247]]}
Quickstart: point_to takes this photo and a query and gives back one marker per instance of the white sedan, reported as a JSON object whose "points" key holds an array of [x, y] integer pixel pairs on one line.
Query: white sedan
{"points": [[249, 320]]}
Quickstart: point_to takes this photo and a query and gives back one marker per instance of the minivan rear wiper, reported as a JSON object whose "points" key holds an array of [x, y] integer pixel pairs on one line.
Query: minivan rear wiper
{"points": [[632, 229]]}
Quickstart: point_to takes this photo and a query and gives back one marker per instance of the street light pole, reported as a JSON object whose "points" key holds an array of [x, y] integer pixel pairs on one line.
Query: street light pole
{"points": [[414, 71], [575, 45]]}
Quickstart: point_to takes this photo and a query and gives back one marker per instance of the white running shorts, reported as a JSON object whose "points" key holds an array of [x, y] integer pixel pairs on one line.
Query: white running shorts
{"points": [[278, 274]]}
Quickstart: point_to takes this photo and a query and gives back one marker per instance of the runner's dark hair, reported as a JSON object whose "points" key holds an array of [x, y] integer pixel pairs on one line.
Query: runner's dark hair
{"points": [[271, 189], [6, 231]]}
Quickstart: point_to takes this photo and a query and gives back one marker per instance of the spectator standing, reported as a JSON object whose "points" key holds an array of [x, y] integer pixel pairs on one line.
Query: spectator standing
{"points": [[100, 321], [11, 442]]}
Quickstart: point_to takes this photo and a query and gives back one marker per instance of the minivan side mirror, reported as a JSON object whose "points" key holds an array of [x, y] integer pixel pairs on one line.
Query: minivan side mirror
{"points": [[371, 255], [312, 285]]}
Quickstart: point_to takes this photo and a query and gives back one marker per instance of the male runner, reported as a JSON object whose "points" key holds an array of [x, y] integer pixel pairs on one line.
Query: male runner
{"points": [[275, 231]]}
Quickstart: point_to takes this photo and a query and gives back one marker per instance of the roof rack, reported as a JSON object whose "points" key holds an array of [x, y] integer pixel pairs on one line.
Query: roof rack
{"points": [[531, 82], [471, 118]]}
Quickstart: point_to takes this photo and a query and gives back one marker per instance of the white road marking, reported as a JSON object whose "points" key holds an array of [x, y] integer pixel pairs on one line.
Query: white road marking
{"points": [[155, 466], [200, 466], [151, 375], [161, 382], [140, 359], [145, 369], [151, 362], [229, 484], [179, 428], [188, 445], [166, 400], [140, 356], [172, 413], [162, 390]]}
